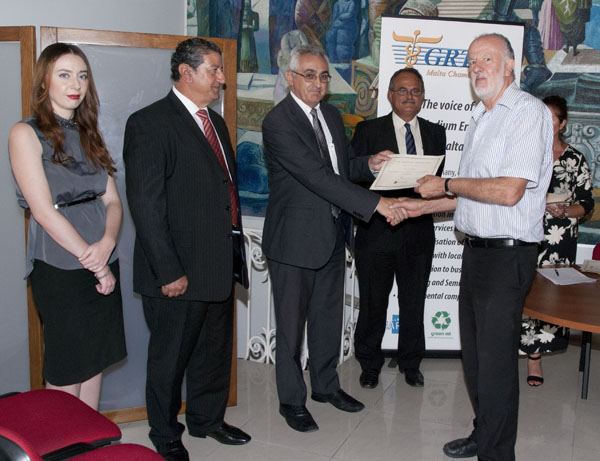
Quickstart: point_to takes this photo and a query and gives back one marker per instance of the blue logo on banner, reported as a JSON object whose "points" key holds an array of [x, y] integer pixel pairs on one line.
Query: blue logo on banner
{"points": [[394, 324]]}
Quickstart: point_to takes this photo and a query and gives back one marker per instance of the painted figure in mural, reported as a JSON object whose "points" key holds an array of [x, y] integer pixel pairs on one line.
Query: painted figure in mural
{"points": [[289, 41], [343, 31], [536, 72], [403, 252], [419, 8], [570, 175], [572, 16], [313, 17], [189, 251], [225, 18], [64, 176], [247, 46], [376, 43], [535, 7], [308, 221], [549, 27], [500, 200], [202, 13], [362, 44], [281, 21]]}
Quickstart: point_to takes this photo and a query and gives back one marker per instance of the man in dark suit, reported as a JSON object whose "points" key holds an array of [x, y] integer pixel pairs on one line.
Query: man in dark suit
{"points": [[404, 251], [182, 194], [305, 229]]}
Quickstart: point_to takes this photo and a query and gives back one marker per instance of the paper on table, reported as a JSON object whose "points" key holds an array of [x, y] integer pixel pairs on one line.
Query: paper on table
{"points": [[558, 198], [590, 265], [402, 171], [565, 276]]}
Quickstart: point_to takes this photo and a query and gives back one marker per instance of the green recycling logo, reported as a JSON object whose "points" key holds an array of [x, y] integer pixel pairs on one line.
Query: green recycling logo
{"points": [[441, 320]]}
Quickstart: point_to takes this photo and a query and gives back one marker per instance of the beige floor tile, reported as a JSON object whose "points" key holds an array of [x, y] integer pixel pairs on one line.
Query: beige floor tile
{"points": [[403, 423], [579, 454], [260, 451], [384, 437]]}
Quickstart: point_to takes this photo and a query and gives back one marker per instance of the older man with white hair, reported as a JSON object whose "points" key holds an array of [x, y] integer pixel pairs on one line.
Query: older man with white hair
{"points": [[499, 197]]}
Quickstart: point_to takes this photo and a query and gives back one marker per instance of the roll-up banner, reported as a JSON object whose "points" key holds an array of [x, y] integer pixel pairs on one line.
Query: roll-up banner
{"points": [[437, 48]]}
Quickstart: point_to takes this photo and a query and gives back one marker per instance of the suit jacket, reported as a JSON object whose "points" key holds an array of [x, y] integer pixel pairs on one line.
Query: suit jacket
{"points": [[372, 136], [179, 199], [299, 229]]}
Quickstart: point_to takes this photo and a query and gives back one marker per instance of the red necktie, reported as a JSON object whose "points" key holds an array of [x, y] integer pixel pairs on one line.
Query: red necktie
{"points": [[211, 137]]}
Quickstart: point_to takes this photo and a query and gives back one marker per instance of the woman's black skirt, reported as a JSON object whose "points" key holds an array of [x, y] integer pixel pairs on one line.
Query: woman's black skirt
{"points": [[83, 330]]}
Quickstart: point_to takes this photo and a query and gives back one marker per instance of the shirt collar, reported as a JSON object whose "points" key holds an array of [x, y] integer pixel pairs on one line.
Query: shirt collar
{"points": [[508, 98], [305, 107], [400, 122], [187, 102]]}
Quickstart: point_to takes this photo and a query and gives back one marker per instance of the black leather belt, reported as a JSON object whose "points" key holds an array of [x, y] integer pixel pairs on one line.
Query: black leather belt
{"points": [[75, 202], [476, 242]]}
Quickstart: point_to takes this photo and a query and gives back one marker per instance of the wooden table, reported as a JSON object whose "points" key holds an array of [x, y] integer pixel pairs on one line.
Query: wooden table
{"points": [[573, 306]]}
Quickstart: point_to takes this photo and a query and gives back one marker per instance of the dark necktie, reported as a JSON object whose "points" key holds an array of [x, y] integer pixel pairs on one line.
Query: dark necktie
{"points": [[410, 141], [322, 142], [211, 137]]}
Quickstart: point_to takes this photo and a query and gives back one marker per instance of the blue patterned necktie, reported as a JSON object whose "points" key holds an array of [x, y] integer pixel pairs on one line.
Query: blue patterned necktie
{"points": [[410, 141]]}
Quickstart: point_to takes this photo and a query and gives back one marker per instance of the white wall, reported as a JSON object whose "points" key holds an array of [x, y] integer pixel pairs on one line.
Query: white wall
{"points": [[151, 16]]}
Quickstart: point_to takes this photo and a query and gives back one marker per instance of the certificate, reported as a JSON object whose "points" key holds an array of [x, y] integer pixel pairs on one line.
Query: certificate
{"points": [[402, 171]]}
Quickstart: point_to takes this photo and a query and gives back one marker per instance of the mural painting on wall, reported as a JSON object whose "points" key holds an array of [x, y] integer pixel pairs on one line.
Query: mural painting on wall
{"points": [[561, 56]]}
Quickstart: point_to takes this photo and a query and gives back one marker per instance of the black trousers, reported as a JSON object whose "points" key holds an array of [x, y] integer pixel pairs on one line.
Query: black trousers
{"points": [[194, 338], [493, 287], [405, 254], [314, 297]]}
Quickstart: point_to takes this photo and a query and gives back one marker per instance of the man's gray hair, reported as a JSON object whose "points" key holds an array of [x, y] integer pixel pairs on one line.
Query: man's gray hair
{"points": [[305, 49]]}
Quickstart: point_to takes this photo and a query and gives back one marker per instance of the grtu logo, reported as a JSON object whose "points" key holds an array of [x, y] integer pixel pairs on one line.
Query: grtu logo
{"points": [[413, 53], [441, 320]]}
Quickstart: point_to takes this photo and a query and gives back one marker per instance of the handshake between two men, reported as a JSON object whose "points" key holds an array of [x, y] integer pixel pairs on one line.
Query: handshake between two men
{"points": [[398, 209]]}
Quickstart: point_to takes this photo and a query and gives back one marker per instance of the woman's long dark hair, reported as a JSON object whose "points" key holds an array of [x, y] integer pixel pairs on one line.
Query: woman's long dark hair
{"points": [[86, 115]]}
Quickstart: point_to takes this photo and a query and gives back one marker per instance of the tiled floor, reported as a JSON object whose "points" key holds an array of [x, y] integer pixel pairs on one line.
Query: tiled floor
{"points": [[404, 423]]}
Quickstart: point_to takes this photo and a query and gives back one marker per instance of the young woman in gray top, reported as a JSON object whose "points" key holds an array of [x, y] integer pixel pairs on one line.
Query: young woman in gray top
{"points": [[64, 176]]}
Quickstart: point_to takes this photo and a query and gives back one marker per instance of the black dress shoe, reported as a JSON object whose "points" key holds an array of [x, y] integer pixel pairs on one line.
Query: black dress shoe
{"points": [[173, 451], [340, 400], [369, 378], [228, 435], [298, 417], [461, 448], [413, 377]]}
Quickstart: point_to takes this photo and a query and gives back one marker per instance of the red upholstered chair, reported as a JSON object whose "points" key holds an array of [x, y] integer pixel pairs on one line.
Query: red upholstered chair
{"points": [[18, 449], [121, 452], [596, 252], [50, 424]]}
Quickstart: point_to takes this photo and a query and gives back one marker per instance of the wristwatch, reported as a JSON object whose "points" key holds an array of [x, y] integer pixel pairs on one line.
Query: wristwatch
{"points": [[566, 212], [447, 189]]}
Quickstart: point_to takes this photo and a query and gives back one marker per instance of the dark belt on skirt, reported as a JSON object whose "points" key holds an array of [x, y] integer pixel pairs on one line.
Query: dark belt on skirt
{"points": [[75, 202], [476, 242]]}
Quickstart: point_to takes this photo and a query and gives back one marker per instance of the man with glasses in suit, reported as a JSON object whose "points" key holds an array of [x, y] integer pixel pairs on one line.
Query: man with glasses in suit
{"points": [[404, 251], [306, 226]]}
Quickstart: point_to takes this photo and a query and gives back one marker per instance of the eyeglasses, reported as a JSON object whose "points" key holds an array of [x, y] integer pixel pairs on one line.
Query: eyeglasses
{"points": [[404, 91], [311, 77]]}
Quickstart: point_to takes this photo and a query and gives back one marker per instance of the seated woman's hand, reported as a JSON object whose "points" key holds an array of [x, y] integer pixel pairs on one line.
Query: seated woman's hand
{"points": [[106, 281], [557, 210], [96, 255]]}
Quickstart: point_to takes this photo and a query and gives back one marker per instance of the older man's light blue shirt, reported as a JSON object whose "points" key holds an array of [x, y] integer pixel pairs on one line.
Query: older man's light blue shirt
{"points": [[513, 139]]}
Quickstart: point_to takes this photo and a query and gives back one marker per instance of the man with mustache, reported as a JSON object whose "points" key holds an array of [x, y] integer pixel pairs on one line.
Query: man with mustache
{"points": [[500, 198], [404, 251], [189, 251], [307, 224]]}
